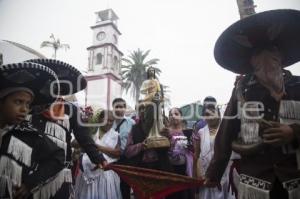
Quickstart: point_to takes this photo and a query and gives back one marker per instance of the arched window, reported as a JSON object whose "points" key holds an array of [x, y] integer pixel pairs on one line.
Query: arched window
{"points": [[99, 58], [116, 62]]}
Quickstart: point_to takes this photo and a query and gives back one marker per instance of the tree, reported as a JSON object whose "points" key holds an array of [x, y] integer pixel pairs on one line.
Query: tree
{"points": [[134, 71], [55, 45], [167, 99]]}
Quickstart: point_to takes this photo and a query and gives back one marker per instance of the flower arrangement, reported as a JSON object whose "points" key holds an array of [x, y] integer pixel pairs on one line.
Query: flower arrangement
{"points": [[88, 115]]}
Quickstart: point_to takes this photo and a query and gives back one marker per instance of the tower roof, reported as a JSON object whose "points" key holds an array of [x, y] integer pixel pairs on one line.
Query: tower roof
{"points": [[105, 15]]}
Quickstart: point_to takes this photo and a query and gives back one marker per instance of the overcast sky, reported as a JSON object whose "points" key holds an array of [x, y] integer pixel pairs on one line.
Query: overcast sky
{"points": [[181, 33]]}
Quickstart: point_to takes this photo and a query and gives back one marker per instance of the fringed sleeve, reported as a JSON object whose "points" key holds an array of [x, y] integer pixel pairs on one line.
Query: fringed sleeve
{"points": [[50, 159]]}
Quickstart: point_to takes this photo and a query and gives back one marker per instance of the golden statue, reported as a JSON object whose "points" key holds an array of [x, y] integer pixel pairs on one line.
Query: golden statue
{"points": [[152, 98]]}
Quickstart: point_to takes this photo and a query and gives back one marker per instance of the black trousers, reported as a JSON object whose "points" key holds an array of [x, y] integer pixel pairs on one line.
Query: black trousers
{"points": [[63, 192], [185, 194], [125, 189], [278, 192]]}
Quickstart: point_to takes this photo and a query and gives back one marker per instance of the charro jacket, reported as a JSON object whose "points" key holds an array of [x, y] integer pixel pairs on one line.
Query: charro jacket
{"points": [[259, 170]]}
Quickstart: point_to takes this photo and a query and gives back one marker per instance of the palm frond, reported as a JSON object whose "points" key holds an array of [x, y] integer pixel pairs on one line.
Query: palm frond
{"points": [[46, 44], [55, 44], [65, 46], [133, 71]]}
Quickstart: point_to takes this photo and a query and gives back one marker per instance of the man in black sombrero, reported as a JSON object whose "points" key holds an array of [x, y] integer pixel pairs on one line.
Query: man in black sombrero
{"points": [[62, 119], [28, 158], [262, 118]]}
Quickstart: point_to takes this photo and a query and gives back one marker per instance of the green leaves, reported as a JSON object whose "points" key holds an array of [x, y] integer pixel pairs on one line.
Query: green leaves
{"points": [[134, 70]]}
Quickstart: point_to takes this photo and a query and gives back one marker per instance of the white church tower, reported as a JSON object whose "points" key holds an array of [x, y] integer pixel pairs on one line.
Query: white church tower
{"points": [[104, 80]]}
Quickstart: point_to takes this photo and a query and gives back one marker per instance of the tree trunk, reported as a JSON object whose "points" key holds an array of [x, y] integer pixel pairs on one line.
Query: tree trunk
{"points": [[137, 96], [55, 53]]}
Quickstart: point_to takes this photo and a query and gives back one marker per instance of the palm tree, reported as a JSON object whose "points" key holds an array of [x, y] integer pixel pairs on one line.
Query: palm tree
{"points": [[134, 71], [55, 44], [167, 99]]}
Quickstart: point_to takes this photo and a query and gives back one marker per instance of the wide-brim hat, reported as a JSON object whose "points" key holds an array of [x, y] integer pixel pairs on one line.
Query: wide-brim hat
{"points": [[37, 79], [275, 28], [71, 80]]}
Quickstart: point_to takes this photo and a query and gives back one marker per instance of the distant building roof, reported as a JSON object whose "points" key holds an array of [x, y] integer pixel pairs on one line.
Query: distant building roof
{"points": [[26, 48], [12, 52]]}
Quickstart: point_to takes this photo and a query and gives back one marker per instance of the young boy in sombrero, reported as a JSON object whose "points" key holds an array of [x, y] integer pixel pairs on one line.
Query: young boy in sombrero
{"points": [[62, 118], [261, 121], [27, 157]]}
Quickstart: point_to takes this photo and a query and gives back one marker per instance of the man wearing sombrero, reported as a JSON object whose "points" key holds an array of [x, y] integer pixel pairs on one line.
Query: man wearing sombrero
{"points": [[262, 119], [61, 120], [28, 158]]}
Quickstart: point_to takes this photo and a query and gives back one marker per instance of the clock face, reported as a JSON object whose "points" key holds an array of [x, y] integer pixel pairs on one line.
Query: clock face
{"points": [[101, 36]]}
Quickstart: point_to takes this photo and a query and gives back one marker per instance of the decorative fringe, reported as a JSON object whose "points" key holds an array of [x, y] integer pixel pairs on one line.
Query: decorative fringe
{"points": [[6, 188], [59, 143], [20, 151], [11, 170], [56, 131], [53, 185], [250, 192], [293, 188], [57, 134], [65, 122], [289, 121], [249, 114], [28, 118], [2, 186], [250, 132], [289, 109], [294, 194], [289, 113]]}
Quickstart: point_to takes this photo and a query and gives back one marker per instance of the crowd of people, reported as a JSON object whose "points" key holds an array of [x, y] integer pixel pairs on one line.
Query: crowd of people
{"points": [[180, 157], [252, 151]]}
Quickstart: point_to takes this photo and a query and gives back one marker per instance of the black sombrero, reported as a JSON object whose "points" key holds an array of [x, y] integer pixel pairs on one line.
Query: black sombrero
{"points": [[275, 28], [71, 79], [37, 79]]}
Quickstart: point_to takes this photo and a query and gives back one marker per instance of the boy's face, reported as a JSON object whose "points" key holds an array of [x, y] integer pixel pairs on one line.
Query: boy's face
{"points": [[15, 107], [119, 109]]}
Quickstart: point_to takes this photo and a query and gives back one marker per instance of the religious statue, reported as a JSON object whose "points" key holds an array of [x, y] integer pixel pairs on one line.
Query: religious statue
{"points": [[152, 98]]}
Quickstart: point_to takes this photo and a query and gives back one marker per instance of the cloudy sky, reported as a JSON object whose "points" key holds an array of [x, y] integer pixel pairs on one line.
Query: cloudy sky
{"points": [[181, 33]]}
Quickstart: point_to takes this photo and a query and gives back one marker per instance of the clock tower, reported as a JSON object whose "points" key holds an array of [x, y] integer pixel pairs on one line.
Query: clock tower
{"points": [[104, 80]]}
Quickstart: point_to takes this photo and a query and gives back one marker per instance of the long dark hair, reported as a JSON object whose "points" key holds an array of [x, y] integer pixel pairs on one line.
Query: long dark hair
{"points": [[148, 72], [175, 108]]}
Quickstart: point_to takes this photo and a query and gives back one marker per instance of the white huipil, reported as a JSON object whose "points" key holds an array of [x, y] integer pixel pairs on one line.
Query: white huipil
{"points": [[99, 184]]}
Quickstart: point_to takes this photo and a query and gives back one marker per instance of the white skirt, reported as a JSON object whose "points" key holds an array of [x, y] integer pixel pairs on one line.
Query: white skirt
{"points": [[106, 185]]}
